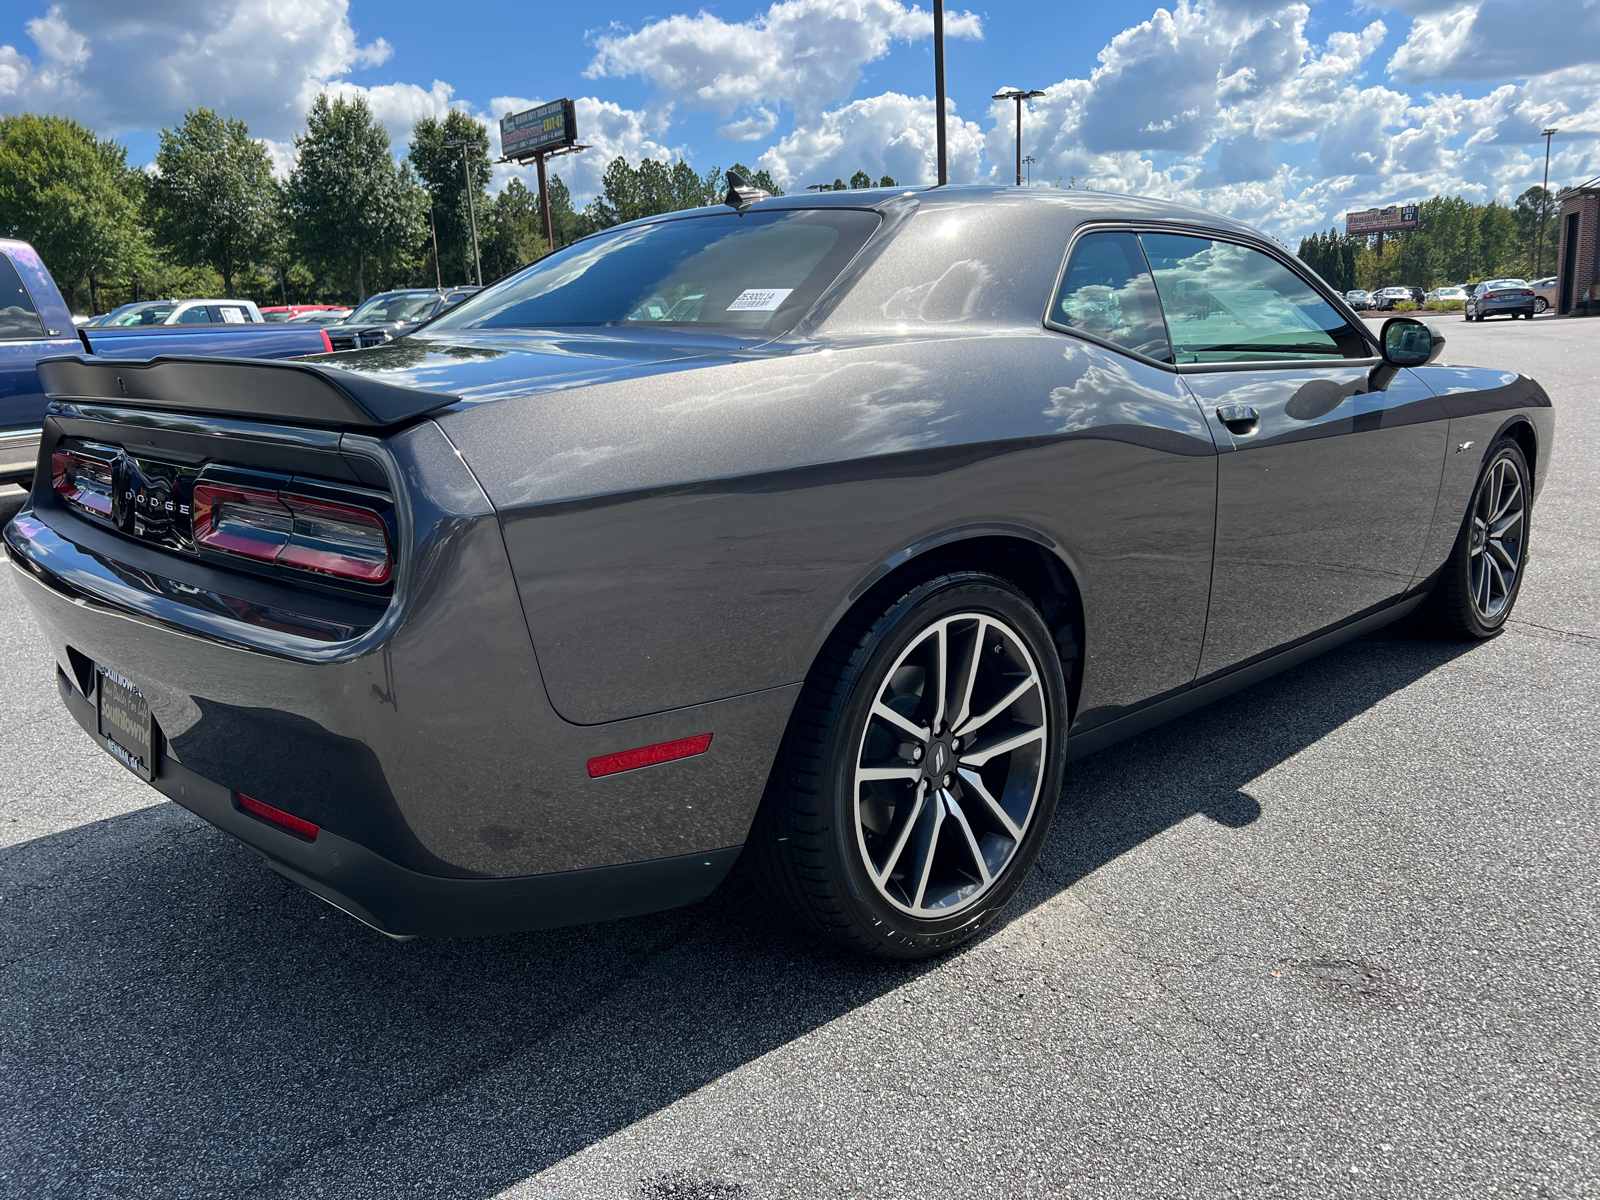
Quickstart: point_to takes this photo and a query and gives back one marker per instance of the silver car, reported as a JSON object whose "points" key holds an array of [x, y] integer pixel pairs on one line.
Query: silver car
{"points": [[1496, 297]]}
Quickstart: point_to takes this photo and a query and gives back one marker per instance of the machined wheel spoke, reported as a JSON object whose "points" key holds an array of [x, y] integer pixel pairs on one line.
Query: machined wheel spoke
{"points": [[980, 757], [1510, 520], [900, 842], [1499, 552], [1505, 501], [973, 782], [939, 676], [904, 724], [1011, 698], [1480, 585], [868, 774], [954, 810], [1493, 575], [927, 849], [964, 701]]}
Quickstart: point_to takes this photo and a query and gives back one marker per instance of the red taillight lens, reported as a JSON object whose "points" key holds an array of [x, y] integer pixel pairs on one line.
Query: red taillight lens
{"points": [[327, 342], [649, 756], [277, 816], [83, 480], [291, 530]]}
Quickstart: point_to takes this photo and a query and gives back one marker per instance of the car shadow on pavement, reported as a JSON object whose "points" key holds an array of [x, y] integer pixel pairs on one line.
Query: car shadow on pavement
{"points": [[178, 1021]]}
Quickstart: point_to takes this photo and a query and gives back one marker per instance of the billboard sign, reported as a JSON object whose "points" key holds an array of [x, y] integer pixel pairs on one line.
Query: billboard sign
{"points": [[1381, 220], [548, 127]]}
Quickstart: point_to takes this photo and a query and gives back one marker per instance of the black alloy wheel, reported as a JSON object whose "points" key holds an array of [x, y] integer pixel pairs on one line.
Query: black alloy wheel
{"points": [[1478, 587], [920, 771]]}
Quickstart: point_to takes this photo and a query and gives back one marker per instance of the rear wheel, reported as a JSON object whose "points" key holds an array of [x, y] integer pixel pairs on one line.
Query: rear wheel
{"points": [[920, 771], [1476, 591], [1541, 305]]}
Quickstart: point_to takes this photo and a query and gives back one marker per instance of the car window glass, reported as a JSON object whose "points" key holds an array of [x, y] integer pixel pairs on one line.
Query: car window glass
{"points": [[1228, 303], [1107, 291], [18, 317], [194, 316], [402, 308], [754, 273]]}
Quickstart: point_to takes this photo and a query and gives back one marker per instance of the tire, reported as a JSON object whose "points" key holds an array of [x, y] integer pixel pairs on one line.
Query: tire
{"points": [[1473, 596], [908, 866], [1540, 304]]}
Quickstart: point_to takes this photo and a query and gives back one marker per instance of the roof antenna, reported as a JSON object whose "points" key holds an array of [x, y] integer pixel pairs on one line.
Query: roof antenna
{"points": [[741, 195]]}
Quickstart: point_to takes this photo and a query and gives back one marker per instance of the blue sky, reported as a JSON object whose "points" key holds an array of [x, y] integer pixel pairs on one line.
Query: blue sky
{"points": [[1283, 114]]}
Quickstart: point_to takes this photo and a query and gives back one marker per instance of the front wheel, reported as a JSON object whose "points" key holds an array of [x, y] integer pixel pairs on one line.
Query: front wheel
{"points": [[920, 771], [1480, 582]]}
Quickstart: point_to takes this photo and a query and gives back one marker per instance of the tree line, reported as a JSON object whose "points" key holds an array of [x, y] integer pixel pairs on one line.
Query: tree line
{"points": [[208, 217], [1456, 242]]}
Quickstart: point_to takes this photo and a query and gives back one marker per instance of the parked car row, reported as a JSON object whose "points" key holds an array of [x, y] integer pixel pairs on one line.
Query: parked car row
{"points": [[379, 318]]}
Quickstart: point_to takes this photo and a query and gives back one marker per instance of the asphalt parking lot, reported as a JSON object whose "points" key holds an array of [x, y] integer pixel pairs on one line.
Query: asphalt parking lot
{"points": [[1338, 935]]}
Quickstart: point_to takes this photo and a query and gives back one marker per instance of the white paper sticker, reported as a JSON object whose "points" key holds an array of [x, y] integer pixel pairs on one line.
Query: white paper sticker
{"points": [[233, 316], [760, 299]]}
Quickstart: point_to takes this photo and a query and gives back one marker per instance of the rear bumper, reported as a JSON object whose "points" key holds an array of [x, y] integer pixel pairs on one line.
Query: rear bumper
{"points": [[405, 903], [19, 453]]}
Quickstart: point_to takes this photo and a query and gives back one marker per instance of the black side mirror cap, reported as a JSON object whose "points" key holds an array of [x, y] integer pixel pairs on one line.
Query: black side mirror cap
{"points": [[1408, 342]]}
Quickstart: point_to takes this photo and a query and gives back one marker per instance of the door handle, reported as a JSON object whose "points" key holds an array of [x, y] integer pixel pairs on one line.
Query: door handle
{"points": [[1240, 419]]}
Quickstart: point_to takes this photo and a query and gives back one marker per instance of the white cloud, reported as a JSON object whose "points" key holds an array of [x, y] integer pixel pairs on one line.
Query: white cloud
{"points": [[1498, 39], [805, 54], [399, 106], [120, 69], [889, 134]]}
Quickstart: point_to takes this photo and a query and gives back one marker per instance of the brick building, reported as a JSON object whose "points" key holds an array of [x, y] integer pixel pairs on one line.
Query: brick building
{"points": [[1578, 256]]}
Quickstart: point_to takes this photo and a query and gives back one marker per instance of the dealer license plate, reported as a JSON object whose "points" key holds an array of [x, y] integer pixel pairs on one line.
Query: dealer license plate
{"points": [[126, 726]]}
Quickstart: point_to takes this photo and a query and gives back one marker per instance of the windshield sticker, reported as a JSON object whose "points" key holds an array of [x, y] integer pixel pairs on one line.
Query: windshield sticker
{"points": [[760, 299]]}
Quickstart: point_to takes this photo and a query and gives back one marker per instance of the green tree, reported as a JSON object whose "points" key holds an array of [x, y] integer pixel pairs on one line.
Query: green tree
{"points": [[211, 199], [860, 180], [73, 197], [350, 205], [443, 179], [887, 181], [513, 232], [566, 222]]}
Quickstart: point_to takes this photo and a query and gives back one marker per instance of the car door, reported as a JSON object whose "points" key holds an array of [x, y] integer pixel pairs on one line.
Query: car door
{"points": [[1328, 471], [1139, 478], [23, 341]]}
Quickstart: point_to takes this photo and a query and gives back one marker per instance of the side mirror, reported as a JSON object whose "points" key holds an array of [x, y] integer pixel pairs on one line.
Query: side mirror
{"points": [[1408, 342]]}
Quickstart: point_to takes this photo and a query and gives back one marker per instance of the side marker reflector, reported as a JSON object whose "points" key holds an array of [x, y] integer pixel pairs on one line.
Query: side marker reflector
{"points": [[649, 756], [277, 816]]}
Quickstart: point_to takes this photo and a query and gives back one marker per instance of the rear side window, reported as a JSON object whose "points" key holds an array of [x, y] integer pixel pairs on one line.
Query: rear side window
{"points": [[1107, 291], [18, 317], [1229, 303], [752, 274], [194, 316]]}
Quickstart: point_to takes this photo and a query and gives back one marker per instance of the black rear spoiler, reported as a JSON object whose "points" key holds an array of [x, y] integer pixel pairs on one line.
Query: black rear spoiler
{"points": [[299, 393]]}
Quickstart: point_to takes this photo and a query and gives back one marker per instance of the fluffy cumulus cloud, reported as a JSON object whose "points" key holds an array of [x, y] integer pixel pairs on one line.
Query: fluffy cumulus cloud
{"points": [[1212, 101], [122, 68], [890, 134], [1498, 39], [804, 54]]}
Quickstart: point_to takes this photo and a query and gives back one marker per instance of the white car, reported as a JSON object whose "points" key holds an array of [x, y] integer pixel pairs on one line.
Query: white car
{"points": [[1544, 293], [1443, 294], [186, 312]]}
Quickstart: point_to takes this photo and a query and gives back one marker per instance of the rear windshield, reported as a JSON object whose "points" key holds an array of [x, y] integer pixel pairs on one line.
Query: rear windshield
{"points": [[402, 309], [752, 274], [141, 314]]}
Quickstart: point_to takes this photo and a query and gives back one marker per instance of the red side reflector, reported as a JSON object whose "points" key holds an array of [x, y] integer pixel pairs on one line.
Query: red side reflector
{"points": [[649, 756], [327, 342], [278, 817]]}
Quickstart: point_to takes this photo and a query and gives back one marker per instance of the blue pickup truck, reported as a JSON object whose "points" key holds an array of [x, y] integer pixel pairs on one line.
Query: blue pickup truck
{"points": [[35, 324]]}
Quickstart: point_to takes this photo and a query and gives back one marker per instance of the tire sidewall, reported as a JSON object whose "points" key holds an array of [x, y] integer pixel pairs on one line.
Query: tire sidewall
{"points": [[897, 932], [1504, 448]]}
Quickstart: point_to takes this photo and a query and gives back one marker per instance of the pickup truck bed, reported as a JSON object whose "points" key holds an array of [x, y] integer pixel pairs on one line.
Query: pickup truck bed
{"points": [[22, 398]]}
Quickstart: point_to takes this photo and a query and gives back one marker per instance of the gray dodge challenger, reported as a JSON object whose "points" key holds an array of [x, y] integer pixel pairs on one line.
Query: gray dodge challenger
{"points": [[822, 530]]}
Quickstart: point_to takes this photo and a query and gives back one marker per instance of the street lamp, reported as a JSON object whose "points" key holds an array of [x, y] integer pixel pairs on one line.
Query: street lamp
{"points": [[1030, 160], [466, 166], [1544, 198], [1019, 96]]}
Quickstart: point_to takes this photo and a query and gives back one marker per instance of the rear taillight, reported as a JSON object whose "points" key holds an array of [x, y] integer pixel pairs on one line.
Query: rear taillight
{"points": [[288, 529], [83, 480], [327, 342]]}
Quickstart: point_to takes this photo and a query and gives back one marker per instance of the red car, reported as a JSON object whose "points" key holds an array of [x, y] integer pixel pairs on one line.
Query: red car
{"points": [[279, 313]]}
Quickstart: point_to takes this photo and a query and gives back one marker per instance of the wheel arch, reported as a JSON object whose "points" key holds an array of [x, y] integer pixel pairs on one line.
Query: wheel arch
{"points": [[1521, 430], [1026, 558]]}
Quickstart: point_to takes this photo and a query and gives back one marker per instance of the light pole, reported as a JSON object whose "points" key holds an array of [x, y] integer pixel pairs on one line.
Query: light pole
{"points": [[1544, 197], [938, 89], [1019, 96], [1030, 160], [472, 217]]}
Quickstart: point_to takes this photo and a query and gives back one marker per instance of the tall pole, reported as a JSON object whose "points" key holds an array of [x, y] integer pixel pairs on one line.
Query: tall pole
{"points": [[1544, 198], [938, 88], [1019, 96], [544, 206], [472, 215], [433, 228]]}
